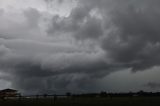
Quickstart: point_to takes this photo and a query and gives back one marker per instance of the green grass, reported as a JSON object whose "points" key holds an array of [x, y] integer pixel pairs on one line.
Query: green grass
{"points": [[115, 101]]}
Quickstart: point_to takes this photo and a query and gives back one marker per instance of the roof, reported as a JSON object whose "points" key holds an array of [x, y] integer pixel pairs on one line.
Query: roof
{"points": [[8, 90]]}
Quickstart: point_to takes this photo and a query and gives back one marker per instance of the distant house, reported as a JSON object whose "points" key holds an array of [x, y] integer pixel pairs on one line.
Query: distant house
{"points": [[8, 93]]}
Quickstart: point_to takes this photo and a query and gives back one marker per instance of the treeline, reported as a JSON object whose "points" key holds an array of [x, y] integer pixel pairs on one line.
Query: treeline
{"points": [[101, 94], [105, 94], [86, 95]]}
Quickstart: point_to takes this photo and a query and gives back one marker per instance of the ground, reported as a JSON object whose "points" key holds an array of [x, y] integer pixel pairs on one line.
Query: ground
{"points": [[106, 101]]}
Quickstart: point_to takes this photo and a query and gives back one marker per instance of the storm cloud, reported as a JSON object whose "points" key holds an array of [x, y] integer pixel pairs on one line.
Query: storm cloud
{"points": [[128, 31], [42, 51]]}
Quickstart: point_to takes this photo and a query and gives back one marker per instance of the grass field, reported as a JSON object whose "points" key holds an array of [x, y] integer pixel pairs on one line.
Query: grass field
{"points": [[115, 101]]}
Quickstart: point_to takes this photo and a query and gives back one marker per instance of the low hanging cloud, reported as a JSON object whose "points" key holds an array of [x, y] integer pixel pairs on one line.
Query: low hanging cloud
{"points": [[153, 85], [41, 52]]}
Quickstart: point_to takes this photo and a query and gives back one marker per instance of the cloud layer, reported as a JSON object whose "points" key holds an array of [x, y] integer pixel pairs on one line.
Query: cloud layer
{"points": [[45, 52]]}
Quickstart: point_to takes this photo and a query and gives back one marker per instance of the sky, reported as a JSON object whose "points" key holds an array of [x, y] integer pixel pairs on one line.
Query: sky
{"points": [[79, 46]]}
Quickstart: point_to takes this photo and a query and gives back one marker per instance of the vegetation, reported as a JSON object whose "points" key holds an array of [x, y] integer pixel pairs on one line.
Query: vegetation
{"points": [[140, 98], [84, 101]]}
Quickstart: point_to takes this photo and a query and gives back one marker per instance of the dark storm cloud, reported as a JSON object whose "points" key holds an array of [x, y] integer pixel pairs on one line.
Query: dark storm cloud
{"points": [[51, 66], [38, 78], [128, 29], [70, 53], [80, 24], [135, 40]]}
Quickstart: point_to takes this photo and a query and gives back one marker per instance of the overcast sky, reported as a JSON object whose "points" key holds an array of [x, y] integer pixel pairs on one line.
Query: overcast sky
{"points": [[58, 46]]}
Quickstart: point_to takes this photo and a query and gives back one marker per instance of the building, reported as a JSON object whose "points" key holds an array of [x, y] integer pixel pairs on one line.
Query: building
{"points": [[8, 93]]}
